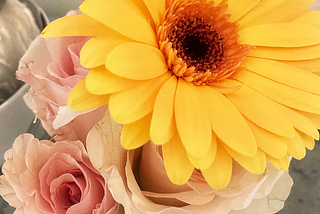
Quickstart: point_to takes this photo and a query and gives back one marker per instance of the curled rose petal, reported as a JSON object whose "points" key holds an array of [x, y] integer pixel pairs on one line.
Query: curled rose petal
{"points": [[144, 187], [52, 68]]}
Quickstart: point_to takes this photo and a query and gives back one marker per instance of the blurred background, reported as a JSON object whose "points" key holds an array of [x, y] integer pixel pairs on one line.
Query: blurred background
{"points": [[305, 193], [57, 8]]}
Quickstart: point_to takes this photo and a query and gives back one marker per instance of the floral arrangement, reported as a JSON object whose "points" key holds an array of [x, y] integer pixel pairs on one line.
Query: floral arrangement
{"points": [[168, 106]]}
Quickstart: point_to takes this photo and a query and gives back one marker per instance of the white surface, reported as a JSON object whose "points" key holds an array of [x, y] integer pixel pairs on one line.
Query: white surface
{"points": [[58, 8]]}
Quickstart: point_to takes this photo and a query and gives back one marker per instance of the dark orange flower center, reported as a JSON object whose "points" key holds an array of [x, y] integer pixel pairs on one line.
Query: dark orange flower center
{"points": [[199, 43]]}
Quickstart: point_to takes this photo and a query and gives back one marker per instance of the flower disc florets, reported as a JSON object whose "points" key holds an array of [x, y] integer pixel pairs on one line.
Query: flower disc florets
{"points": [[198, 42]]}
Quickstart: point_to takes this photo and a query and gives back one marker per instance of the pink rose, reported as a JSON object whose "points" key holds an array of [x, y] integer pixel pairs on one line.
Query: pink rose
{"points": [[41, 177], [52, 68], [147, 189]]}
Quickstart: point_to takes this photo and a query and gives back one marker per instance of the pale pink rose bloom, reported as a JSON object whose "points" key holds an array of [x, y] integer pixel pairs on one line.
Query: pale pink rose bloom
{"points": [[42, 177], [147, 189], [52, 68]]}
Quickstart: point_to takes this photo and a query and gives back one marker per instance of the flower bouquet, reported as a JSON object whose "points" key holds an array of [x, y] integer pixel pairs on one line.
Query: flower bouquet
{"points": [[168, 107]]}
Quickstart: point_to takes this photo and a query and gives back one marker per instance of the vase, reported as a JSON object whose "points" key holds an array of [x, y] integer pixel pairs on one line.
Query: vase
{"points": [[15, 117]]}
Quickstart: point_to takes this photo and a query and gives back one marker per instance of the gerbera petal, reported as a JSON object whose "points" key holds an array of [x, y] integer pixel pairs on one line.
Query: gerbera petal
{"points": [[305, 53], [80, 98], [217, 2], [311, 17], [308, 141], [162, 123], [238, 8], [280, 35], [139, 7], [255, 164], [226, 86], [274, 12], [156, 8], [132, 104], [136, 134], [281, 163], [225, 117], [283, 94], [177, 164], [296, 147], [300, 121], [95, 51], [219, 173], [121, 18], [268, 142], [314, 118], [136, 61], [75, 25], [206, 161], [312, 65], [101, 81], [192, 119], [261, 111], [284, 74]]}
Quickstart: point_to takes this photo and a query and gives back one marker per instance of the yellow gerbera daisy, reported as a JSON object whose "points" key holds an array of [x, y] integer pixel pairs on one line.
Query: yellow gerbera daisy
{"points": [[211, 81]]}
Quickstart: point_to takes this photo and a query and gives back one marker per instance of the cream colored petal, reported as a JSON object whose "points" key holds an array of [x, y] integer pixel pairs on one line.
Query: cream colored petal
{"points": [[136, 61], [162, 123], [136, 134], [255, 164], [274, 198], [219, 173], [296, 147], [103, 144], [192, 119], [178, 166], [285, 74], [283, 94], [206, 161], [133, 104], [122, 18], [271, 144], [280, 35], [156, 9], [137, 203], [239, 8], [188, 197], [80, 99], [100, 81], [299, 53], [225, 117], [270, 11], [95, 51], [261, 111], [152, 173]]}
